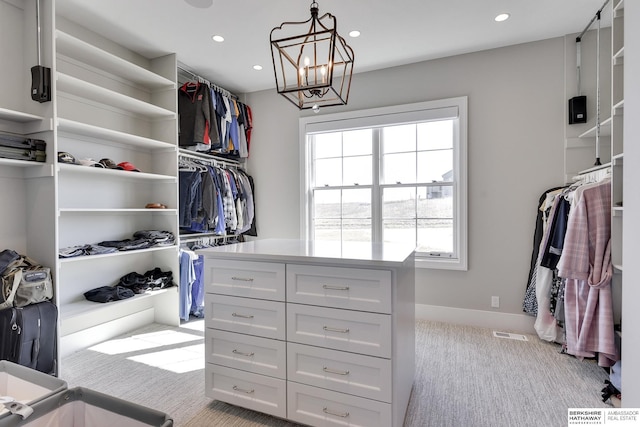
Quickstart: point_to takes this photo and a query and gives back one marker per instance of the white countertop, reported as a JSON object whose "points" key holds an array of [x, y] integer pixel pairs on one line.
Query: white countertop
{"points": [[364, 253]]}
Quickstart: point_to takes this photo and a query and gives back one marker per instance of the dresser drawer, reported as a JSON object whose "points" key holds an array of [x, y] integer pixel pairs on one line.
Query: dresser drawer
{"points": [[245, 315], [354, 331], [350, 373], [252, 391], [319, 407], [249, 353], [262, 280], [349, 288]]}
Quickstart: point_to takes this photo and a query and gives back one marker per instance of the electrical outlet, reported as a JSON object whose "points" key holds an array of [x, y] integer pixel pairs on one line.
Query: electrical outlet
{"points": [[495, 302]]}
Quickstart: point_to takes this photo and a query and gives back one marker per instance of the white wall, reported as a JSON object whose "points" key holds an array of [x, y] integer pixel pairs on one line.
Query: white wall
{"points": [[516, 146]]}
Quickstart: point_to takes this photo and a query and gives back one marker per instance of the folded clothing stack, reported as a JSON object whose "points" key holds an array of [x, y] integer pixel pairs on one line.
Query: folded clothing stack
{"points": [[108, 294], [131, 284], [151, 280], [142, 240]]}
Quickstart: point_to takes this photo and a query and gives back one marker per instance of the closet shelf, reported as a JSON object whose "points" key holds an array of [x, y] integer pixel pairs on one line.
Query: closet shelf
{"points": [[97, 211], [617, 267], [80, 259], [618, 58], [18, 116], [79, 128], [618, 159], [95, 93], [605, 130], [617, 210], [618, 109], [114, 173], [22, 163], [618, 10], [73, 47], [80, 308]]}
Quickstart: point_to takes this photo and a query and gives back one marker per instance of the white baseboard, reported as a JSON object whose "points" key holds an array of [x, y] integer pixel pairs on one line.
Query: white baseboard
{"points": [[506, 322]]}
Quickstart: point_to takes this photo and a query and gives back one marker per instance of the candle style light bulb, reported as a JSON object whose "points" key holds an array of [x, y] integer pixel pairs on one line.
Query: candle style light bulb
{"points": [[323, 72]]}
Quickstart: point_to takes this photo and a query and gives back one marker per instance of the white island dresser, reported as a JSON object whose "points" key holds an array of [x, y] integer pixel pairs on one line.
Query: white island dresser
{"points": [[320, 333]]}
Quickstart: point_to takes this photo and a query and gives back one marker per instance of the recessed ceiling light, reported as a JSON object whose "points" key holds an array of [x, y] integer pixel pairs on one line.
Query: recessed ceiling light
{"points": [[218, 39], [502, 17], [354, 33], [257, 67]]}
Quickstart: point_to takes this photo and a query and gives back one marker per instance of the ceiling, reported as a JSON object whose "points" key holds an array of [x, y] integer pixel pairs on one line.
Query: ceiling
{"points": [[393, 32]]}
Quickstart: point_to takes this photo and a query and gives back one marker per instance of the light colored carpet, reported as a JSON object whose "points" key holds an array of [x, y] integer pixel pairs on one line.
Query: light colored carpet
{"points": [[464, 377]]}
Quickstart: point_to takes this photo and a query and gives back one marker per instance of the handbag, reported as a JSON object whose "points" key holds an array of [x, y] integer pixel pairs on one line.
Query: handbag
{"points": [[25, 282]]}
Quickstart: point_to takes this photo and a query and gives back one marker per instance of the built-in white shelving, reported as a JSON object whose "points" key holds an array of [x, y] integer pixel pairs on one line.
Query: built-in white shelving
{"points": [[81, 307], [114, 173], [605, 130], [85, 258], [18, 116], [110, 135], [115, 104], [99, 94], [74, 47]]}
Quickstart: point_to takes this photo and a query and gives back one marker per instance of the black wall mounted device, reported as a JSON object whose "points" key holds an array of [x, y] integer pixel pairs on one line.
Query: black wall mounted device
{"points": [[578, 109]]}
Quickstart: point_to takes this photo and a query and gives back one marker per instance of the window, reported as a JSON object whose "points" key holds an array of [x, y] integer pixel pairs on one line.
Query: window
{"points": [[394, 174]]}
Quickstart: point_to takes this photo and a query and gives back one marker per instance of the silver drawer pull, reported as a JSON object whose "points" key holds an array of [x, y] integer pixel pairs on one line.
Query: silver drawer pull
{"points": [[333, 371], [242, 279], [330, 329], [243, 354], [244, 316], [335, 288], [337, 414], [236, 388]]}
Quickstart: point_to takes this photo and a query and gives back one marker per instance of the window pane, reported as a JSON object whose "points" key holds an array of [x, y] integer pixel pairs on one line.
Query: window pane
{"points": [[435, 135], [435, 166], [357, 142], [356, 203], [399, 168], [356, 230], [327, 145], [395, 230], [435, 235], [327, 229], [435, 202], [328, 172], [357, 170], [326, 204], [397, 139], [399, 203]]}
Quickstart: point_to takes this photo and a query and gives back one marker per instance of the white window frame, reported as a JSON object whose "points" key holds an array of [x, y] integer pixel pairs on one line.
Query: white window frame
{"points": [[388, 116]]}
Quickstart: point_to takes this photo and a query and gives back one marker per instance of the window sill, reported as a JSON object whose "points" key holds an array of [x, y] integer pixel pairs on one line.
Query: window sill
{"points": [[441, 264]]}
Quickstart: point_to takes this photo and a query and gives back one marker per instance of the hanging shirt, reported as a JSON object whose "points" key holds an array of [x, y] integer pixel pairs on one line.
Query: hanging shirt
{"points": [[194, 111], [187, 278]]}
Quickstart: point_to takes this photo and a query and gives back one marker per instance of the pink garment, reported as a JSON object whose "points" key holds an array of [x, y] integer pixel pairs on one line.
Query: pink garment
{"points": [[586, 264]]}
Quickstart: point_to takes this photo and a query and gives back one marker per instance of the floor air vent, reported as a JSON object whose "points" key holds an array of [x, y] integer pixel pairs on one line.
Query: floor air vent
{"points": [[510, 336]]}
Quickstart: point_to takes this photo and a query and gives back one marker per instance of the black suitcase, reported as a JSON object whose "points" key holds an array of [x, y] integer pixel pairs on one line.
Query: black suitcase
{"points": [[28, 336]]}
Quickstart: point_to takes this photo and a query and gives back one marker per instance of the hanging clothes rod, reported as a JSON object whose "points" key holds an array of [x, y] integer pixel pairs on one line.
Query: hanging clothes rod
{"points": [[201, 237], [596, 16], [203, 80], [206, 158]]}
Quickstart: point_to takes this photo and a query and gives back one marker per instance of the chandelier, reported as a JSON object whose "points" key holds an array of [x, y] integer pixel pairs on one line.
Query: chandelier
{"points": [[312, 62]]}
